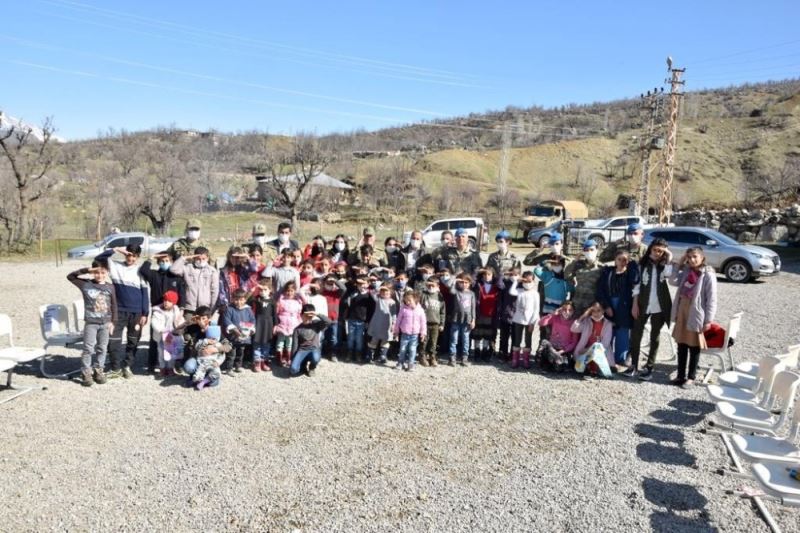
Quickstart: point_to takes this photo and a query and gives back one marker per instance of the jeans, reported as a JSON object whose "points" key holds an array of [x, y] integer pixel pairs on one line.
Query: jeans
{"points": [[622, 340], [300, 357], [657, 321], [95, 342], [261, 351], [459, 340], [408, 349], [355, 336], [125, 356], [331, 343]]}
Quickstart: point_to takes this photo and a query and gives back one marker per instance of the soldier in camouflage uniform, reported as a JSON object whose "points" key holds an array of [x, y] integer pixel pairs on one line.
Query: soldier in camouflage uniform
{"points": [[502, 260], [461, 258], [583, 274], [632, 244], [187, 244]]}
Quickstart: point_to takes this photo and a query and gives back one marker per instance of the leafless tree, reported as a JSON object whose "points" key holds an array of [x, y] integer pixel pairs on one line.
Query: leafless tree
{"points": [[291, 169], [28, 157]]}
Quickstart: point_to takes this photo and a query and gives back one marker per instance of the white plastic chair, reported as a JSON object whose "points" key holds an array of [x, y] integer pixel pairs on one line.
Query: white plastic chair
{"points": [[56, 331], [731, 332], [769, 368], [745, 416], [670, 342], [13, 355], [775, 480], [78, 314], [768, 448], [791, 358]]}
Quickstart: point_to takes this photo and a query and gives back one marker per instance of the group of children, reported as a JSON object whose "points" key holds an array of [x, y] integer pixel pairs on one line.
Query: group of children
{"points": [[303, 304]]}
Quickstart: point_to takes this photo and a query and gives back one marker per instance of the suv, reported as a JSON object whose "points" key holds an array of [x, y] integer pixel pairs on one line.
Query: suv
{"points": [[738, 262], [605, 230], [541, 236], [432, 235]]}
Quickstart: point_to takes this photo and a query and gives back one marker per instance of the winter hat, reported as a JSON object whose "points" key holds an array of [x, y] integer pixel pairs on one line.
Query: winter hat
{"points": [[171, 296]]}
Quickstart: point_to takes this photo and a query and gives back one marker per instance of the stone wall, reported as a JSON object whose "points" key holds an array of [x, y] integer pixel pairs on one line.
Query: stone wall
{"points": [[747, 225]]}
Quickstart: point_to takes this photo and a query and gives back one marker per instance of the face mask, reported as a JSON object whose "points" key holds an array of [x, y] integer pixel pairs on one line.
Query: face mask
{"points": [[163, 267], [445, 278], [260, 240], [201, 264], [415, 244], [558, 247], [253, 264], [590, 255], [597, 319], [390, 249], [376, 284], [330, 286], [283, 238], [528, 286], [193, 234], [339, 246], [502, 246], [557, 269], [635, 239], [400, 284], [431, 289], [362, 290], [425, 277]]}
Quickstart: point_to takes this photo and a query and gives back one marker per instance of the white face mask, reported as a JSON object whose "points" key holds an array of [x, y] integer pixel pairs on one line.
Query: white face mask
{"points": [[557, 269], [283, 238], [260, 240], [193, 234], [557, 247], [415, 244], [528, 286], [597, 319], [590, 255], [502, 246], [634, 238], [339, 246], [201, 264], [390, 249]]}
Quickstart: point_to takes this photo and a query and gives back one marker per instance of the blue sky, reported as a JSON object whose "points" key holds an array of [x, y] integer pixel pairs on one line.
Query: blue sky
{"points": [[284, 67]]}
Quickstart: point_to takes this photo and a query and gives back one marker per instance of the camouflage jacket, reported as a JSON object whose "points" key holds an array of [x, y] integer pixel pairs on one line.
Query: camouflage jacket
{"points": [[502, 263], [467, 261], [584, 277], [637, 251]]}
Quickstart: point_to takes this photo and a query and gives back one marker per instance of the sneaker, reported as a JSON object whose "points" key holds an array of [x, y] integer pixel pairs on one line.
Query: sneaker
{"points": [[86, 377], [646, 374], [307, 369], [410, 368], [127, 373], [257, 366], [451, 361], [99, 376], [631, 373], [688, 384], [383, 360], [114, 374], [334, 359], [398, 366], [464, 362], [202, 383]]}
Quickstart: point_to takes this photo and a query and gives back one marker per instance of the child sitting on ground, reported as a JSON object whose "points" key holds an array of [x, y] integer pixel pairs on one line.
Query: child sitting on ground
{"points": [[239, 322], [594, 329], [100, 312], [554, 353], [411, 328], [209, 358], [164, 319]]}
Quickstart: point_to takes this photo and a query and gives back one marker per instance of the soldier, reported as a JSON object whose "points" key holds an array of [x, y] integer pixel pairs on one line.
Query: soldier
{"points": [[583, 274], [502, 260], [283, 243], [461, 258], [554, 251], [187, 244], [438, 253], [632, 244]]}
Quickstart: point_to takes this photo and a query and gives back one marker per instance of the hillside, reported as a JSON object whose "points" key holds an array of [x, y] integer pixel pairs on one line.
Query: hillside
{"points": [[720, 133]]}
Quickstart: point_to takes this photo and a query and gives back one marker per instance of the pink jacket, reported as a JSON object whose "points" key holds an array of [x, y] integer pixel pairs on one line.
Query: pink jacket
{"points": [[561, 336], [411, 321], [584, 328], [288, 311]]}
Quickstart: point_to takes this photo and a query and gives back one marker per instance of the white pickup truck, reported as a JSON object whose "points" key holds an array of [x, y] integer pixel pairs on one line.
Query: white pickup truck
{"points": [[150, 245], [607, 230]]}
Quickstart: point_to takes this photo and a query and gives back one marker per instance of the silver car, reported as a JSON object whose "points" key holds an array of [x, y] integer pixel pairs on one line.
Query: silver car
{"points": [[738, 262]]}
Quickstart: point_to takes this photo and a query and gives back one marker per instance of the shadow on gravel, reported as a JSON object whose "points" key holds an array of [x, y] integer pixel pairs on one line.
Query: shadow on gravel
{"points": [[666, 445]]}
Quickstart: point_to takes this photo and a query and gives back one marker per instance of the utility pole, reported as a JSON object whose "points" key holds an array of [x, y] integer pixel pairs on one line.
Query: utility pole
{"points": [[652, 104], [502, 173], [668, 170]]}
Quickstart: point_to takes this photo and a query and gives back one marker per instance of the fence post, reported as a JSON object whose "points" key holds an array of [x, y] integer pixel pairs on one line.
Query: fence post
{"points": [[41, 244]]}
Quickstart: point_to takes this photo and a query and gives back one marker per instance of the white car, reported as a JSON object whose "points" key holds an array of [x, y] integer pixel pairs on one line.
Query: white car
{"points": [[432, 234]]}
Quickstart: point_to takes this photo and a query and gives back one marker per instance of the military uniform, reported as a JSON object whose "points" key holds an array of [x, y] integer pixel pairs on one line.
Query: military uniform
{"points": [[184, 246], [502, 263], [537, 258], [584, 276], [637, 251], [468, 261]]}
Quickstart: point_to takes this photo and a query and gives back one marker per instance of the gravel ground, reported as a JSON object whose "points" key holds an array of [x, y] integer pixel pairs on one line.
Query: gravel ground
{"points": [[369, 448]]}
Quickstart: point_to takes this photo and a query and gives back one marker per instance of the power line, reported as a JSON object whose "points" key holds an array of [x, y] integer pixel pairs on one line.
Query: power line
{"points": [[743, 52]]}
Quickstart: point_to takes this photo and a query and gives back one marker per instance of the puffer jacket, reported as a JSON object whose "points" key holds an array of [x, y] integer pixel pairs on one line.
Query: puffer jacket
{"points": [[202, 284]]}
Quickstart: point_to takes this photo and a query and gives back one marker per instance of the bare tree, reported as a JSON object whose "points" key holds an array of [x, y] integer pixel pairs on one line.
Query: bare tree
{"points": [[28, 156], [290, 170]]}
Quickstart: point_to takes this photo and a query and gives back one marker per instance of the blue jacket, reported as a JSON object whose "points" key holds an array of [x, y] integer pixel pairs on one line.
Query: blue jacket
{"points": [[622, 311], [240, 319], [555, 289]]}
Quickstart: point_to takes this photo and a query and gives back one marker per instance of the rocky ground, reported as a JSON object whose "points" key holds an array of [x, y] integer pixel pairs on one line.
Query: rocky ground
{"points": [[370, 448]]}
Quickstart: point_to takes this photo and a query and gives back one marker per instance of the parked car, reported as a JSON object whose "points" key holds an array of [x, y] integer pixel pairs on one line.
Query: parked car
{"points": [[541, 236], [150, 245], [432, 235], [736, 261], [607, 230]]}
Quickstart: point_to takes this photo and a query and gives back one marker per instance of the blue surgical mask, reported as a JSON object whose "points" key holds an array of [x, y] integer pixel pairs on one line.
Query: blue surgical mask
{"points": [[400, 284], [163, 267]]}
